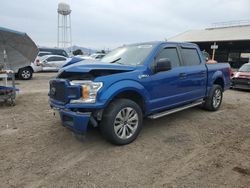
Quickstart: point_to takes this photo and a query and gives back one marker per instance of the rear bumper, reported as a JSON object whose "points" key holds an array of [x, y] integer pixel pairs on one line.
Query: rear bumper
{"points": [[77, 122]]}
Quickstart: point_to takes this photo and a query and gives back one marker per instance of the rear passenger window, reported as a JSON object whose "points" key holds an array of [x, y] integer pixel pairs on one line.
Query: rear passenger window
{"points": [[51, 59], [171, 54], [59, 59], [190, 56]]}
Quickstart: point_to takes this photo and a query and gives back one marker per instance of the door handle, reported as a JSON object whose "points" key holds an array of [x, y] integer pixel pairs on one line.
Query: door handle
{"points": [[203, 73], [182, 75]]}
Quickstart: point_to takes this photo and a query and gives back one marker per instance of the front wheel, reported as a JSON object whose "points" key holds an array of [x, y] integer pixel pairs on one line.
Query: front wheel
{"points": [[213, 101], [122, 121]]}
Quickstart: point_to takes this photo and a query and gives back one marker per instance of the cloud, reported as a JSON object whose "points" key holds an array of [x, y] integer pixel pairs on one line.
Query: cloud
{"points": [[111, 23]]}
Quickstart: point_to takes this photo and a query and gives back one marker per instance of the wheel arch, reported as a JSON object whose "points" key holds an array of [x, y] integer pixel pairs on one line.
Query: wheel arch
{"points": [[219, 81], [28, 67], [132, 95], [127, 89]]}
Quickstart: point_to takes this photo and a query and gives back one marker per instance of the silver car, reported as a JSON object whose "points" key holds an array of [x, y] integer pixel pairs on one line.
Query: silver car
{"points": [[53, 62]]}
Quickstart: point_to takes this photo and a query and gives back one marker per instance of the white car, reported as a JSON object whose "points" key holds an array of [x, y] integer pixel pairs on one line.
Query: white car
{"points": [[53, 62], [26, 73]]}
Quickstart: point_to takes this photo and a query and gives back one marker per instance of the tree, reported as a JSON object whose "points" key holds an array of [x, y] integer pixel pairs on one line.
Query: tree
{"points": [[78, 52]]}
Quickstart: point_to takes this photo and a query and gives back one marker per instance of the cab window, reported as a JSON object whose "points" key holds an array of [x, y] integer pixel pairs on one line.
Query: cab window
{"points": [[172, 55], [190, 56]]}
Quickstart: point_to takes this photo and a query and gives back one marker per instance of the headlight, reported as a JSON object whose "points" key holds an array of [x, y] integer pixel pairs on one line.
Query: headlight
{"points": [[89, 91]]}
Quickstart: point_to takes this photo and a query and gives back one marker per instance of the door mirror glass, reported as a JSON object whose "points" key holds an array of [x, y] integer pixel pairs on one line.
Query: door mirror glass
{"points": [[163, 64]]}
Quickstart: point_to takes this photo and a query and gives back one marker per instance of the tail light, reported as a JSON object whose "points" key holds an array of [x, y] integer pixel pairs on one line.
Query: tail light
{"points": [[231, 73], [38, 62]]}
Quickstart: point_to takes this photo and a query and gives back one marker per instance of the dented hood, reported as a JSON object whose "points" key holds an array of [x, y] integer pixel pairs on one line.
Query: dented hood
{"points": [[86, 66]]}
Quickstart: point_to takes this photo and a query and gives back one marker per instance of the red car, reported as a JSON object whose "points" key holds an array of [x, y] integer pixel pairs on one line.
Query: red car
{"points": [[241, 79]]}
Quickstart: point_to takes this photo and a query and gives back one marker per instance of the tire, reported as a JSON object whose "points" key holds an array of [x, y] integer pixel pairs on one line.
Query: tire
{"points": [[213, 101], [25, 73], [116, 126]]}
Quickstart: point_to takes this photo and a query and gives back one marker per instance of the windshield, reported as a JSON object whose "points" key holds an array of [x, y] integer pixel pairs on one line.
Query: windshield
{"points": [[128, 55], [245, 68]]}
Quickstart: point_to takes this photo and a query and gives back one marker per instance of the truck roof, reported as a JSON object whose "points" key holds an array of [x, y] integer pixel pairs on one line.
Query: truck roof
{"points": [[183, 44]]}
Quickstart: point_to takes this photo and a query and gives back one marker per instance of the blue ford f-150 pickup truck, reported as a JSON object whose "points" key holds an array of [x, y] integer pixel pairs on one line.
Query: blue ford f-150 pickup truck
{"points": [[135, 81]]}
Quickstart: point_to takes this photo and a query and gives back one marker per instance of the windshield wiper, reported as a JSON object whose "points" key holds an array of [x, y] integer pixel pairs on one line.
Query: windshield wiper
{"points": [[118, 59]]}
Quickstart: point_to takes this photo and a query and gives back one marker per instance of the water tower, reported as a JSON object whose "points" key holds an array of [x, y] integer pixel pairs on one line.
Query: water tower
{"points": [[64, 38]]}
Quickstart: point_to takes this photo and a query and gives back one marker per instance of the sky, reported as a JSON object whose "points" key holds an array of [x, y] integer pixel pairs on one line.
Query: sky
{"points": [[111, 23]]}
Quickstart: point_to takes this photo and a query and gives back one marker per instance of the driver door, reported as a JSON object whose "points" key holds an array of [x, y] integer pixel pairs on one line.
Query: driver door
{"points": [[165, 87]]}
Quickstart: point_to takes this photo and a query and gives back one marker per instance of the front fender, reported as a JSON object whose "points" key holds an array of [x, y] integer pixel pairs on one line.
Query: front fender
{"points": [[122, 86]]}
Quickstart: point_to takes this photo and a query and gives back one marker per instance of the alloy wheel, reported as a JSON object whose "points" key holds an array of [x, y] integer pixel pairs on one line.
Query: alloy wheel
{"points": [[26, 74], [217, 98], [126, 123]]}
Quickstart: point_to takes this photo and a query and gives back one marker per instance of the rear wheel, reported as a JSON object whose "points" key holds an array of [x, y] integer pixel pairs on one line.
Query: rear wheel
{"points": [[122, 121], [214, 100], [25, 73]]}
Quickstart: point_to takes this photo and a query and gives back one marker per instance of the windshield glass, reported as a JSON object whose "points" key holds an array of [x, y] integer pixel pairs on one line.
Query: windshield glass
{"points": [[245, 68], [128, 55]]}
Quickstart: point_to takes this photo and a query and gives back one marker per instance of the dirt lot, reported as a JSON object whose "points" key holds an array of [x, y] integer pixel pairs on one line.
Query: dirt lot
{"points": [[193, 148]]}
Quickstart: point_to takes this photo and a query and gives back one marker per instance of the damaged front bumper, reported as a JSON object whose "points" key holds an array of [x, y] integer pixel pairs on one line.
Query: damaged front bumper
{"points": [[76, 121], [74, 116]]}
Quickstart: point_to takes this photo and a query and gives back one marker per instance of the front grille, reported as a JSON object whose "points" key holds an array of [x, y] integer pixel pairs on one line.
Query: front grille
{"points": [[57, 90]]}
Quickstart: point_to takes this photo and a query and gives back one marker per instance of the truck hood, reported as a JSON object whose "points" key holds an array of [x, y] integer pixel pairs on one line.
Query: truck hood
{"points": [[91, 69], [86, 66]]}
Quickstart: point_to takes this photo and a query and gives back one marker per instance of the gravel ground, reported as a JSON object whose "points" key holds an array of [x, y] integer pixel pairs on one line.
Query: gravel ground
{"points": [[192, 148]]}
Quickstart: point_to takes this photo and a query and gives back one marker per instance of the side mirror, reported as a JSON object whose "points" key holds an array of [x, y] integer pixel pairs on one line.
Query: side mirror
{"points": [[163, 64]]}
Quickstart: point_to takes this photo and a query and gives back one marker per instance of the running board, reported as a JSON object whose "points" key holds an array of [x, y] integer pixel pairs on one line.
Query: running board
{"points": [[165, 113]]}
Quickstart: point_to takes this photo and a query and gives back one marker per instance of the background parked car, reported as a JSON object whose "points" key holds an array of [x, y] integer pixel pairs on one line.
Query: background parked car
{"points": [[241, 78], [26, 73], [55, 51], [53, 62]]}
